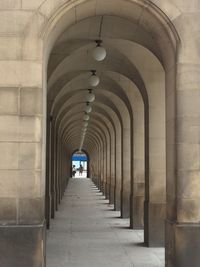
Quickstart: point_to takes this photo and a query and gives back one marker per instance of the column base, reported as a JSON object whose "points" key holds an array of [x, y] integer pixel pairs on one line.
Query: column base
{"points": [[117, 202], [107, 191], [22, 246], [98, 183], [53, 205], [154, 224], [95, 181], [102, 188], [182, 244], [112, 194], [48, 210], [125, 204], [137, 212]]}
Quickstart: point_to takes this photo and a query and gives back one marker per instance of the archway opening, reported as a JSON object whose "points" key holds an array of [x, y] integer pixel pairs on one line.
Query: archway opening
{"points": [[126, 134], [79, 165], [125, 130]]}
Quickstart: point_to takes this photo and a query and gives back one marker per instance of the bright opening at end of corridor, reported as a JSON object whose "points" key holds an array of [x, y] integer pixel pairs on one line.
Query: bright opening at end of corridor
{"points": [[79, 165]]}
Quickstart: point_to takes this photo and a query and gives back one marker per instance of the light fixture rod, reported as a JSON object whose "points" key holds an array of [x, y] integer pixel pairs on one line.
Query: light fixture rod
{"points": [[100, 28]]}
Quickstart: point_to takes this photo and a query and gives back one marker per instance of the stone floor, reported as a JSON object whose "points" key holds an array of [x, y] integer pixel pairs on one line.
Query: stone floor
{"points": [[88, 233]]}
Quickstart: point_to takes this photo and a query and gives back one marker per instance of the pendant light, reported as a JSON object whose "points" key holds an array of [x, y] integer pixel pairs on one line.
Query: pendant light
{"points": [[90, 97], [99, 52], [94, 79], [85, 124], [88, 108], [86, 117]]}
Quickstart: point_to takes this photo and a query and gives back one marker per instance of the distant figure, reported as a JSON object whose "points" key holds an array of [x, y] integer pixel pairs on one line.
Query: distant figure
{"points": [[80, 170], [73, 171]]}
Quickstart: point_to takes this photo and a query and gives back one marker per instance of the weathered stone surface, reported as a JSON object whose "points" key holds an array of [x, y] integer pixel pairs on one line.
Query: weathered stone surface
{"points": [[8, 211], [9, 100], [154, 224], [33, 5], [30, 101], [112, 194], [125, 204], [30, 156], [10, 4], [117, 204], [30, 129], [9, 156], [31, 211], [137, 212], [9, 128], [182, 244], [22, 245], [21, 73]]}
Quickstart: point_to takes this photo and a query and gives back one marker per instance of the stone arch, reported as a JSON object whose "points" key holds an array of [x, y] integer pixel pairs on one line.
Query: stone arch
{"points": [[88, 160], [169, 33]]}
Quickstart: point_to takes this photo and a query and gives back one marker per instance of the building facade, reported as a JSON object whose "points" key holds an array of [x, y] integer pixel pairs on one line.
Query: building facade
{"points": [[143, 137]]}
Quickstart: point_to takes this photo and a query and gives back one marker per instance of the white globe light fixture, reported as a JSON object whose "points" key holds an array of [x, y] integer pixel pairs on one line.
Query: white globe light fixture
{"points": [[94, 79], [90, 97], [88, 108], [85, 124], [86, 117], [99, 52], [84, 130]]}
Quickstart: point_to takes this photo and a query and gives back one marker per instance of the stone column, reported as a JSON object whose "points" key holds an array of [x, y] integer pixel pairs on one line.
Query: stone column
{"points": [[183, 186], [22, 176], [113, 169], [48, 175], [126, 180], [108, 166], [118, 178], [52, 178], [155, 193], [56, 169], [102, 169], [98, 172], [155, 164], [138, 183]]}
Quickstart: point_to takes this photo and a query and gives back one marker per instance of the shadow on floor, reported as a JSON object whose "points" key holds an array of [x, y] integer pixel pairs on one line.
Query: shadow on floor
{"points": [[114, 217], [108, 210], [135, 244], [125, 227]]}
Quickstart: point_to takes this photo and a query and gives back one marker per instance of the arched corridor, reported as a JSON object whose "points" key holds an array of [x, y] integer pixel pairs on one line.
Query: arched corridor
{"points": [[117, 80], [132, 81]]}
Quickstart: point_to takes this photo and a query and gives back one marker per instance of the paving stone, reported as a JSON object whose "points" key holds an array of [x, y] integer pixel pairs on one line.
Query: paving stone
{"points": [[87, 232]]}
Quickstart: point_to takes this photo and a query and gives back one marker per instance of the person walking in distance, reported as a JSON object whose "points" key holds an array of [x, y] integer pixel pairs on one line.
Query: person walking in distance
{"points": [[73, 171], [80, 170]]}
